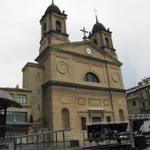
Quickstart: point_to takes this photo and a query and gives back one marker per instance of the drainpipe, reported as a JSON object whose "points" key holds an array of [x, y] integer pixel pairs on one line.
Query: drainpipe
{"points": [[110, 91]]}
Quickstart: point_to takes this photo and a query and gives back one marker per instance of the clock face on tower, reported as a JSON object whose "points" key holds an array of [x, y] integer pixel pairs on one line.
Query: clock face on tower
{"points": [[62, 67], [88, 51]]}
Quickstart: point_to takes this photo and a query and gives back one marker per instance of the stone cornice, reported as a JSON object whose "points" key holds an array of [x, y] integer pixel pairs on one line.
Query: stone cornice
{"points": [[55, 32], [32, 65], [79, 86], [43, 55]]}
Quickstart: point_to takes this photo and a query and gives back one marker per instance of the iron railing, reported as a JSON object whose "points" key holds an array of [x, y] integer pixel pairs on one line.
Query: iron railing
{"points": [[41, 138]]}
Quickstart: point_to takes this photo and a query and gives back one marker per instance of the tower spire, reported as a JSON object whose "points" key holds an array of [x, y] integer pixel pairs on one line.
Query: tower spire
{"points": [[52, 1], [96, 19], [96, 15]]}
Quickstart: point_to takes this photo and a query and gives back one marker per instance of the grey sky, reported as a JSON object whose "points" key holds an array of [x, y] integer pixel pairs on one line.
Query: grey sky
{"points": [[129, 20]]}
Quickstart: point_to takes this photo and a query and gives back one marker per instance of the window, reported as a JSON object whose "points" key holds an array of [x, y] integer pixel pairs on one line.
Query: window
{"points": [[16, 117], [38, 74], [22, 99], [95, 41], [107, 42], [83, 123], [38, 107], [44, 29], [58, 26], [38, 91], [66, 118], [141, 95], [12, 95], [133, 103], [108, 119], [91, 77], [143, 105]]}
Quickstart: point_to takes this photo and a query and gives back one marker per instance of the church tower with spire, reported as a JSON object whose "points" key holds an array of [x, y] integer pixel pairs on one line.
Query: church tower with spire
{"points": [[53, 27], [101, 37]]}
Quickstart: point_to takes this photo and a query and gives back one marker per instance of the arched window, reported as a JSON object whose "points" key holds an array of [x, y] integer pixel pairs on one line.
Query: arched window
{"points": [[91, 77], [66, 118], [58, 26], [44, 30], [95, 41], [121, 115], [107, 42]]}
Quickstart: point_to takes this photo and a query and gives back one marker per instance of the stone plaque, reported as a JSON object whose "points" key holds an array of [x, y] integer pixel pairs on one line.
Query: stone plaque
{"points": [[62, 67], [94, 102], [115, 77]]}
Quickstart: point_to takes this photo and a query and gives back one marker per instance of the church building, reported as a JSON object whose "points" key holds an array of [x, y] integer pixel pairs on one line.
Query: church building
{"points": [[74, 83]]}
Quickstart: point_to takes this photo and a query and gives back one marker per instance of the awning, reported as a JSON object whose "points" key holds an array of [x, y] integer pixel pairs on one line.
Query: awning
{"points": [[7, 101]]}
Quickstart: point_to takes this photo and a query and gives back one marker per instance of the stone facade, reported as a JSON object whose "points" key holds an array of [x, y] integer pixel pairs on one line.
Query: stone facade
{"points": [[138, 98], [74, 80]]}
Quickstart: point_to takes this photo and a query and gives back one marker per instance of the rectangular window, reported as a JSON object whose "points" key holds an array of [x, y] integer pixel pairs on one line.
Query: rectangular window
{"points": [[38, 107], [44, 30], [16, 117], [38, 74], [133, 103], [108, 119], [83, 123], [22, 99], [12, 95], [143, 105], [38, 91]]}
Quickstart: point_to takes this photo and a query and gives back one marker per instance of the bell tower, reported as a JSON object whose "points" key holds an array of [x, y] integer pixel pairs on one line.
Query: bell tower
{"points": [[101, 37], [53, 27]]}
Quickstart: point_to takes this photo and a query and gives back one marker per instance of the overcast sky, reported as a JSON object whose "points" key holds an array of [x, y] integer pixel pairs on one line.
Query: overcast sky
{"points": [[129, 20]]}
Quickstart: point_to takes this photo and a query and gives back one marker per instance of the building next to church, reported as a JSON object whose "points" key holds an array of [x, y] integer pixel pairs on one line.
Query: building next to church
{"points": [[74, 83], [19, 119], [138, 98]]}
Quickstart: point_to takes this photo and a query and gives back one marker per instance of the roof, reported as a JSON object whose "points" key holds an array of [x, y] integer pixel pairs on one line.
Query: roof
{"points": [[137, 88], [15, 89], [100, 50], [58, 47], [53, 8], [7, 101], [97, 27]]}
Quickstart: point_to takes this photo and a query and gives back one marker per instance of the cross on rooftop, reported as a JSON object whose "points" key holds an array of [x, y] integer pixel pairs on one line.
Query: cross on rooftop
{"points": [[84, 32]]}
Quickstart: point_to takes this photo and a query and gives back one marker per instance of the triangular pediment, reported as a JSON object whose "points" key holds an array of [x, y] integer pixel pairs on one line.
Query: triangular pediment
{"points": [[87, 49]]}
